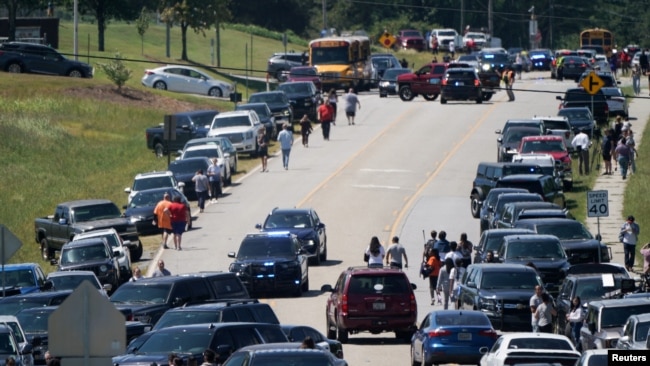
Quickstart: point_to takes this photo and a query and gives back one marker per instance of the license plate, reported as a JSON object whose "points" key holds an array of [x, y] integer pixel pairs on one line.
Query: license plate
{"points": [[459, 83], [378, 306], [464, 336]]}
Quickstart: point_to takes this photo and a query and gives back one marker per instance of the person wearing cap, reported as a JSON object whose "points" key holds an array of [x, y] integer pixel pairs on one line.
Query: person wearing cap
{"points": [[163, 219], [214, 177], [629, 235], [581, 144]]}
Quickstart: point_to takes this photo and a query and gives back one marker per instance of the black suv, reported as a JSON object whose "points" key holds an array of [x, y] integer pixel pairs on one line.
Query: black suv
{"points": [[495, 212], [461, 84], [219, 311], [491, 241], [500, 291], [91, 254], [578, 97], [487, 206], [284, 61], [487, 176], [541, 59], [149, 298], [544, 185], [303, 96], [279, 104], [21, 57], [507, 217], [271, 263], [373, 300], [305, 224], [544, 251], [578, 243]]}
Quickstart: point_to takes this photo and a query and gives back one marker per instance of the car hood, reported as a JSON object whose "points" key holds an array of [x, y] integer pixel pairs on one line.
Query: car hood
{"points": [[541, 263], [102, 224], [297, 95], [263, 260], [137, 309], [277, 107], [579, 243], [184, 177], [227, 130], [520, 295], [87, 264]]}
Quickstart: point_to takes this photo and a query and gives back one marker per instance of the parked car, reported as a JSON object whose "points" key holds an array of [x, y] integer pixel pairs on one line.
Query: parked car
{"points": [[531, 348], [541, 59], [117, 244], [507, 217], [225, 145], [305, 224], [494, 215], [511, 140], [388, 82], [520, 123], [185, 169], [491, 241], [297, 333], [502, 292], [279, 104], [578, 97], [580, 119], [372, 300], [141, 208], [593, 357], [478, 39], [410, 39], [19, 57], [92, 254], [303, 96], [70, 280], [185, 79], [240, 127], [13, 304], [608, 78], [635, 333], [24, 278], [461, 84], [163, 179], [616, 101], [208, 151], [572, 67], [604, 321], [553, 145], [487, 206], [11, 348], [558, 126], [266, 117], [305, 73], [452, 336], [26, 358], [284, 61], [282, 354], [271, 263], [189, 125]]}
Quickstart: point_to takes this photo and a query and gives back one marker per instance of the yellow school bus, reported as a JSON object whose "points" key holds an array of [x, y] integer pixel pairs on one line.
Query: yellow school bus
{"points": [[597, 39], [342, 62]]}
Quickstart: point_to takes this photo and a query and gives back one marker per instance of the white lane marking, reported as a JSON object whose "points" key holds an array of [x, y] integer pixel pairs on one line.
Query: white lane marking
{"points": [[372, 186], [369, 170]]}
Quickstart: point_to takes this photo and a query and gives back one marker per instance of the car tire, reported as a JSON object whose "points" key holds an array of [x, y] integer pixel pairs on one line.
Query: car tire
{"points": [[323, 257], [487, 96], [229, 180], [188, 226], [15, 68], [160, 85], [479, 100], [568, 186], [305, 286], [315, 260], [474, 205], [159, 149], [75, 73], [342, 334], [443, 100], [136, 254], [430, 97], [46, 252], [405, 93], [381, 95], [233, 168], [404, 336], [215, 92], [413, 361]]}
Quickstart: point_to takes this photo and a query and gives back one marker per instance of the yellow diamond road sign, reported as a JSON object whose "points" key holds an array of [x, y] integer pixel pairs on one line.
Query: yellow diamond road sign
{"points": [[592, 83], [387, 40]]}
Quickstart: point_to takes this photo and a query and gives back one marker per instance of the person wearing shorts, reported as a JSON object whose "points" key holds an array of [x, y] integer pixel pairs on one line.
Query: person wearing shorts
{"points": [[606, 150], [351, 103], [162, 218], [179, 219]]}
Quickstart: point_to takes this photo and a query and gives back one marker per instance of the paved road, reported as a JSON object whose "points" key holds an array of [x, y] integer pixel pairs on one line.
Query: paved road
{"points": [[404, 168]]}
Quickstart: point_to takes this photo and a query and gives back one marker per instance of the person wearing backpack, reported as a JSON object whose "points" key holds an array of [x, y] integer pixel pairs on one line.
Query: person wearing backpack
{"points": [[429, 244]]}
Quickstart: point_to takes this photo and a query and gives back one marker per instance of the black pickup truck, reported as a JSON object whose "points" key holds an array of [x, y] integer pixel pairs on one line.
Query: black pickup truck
{"points": [[74, 217], [578, 97], [189, 125]]}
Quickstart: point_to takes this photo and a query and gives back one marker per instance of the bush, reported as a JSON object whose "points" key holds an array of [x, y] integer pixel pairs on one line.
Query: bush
{"points": [[116, 71]]}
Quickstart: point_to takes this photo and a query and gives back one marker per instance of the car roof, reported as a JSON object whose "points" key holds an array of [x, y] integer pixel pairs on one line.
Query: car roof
{"points": [[550, 220], [159, 191], [217, 304], [70, 273], [597, 269], [163, 173], [20, 266], [373, 270], [641, 317], [199, 326], [543, 138], [503, 267], [203, 147], [82, 203], [290, 210], [197, 112], [531, 237], [241, 112], [188, 160], [523, 177], [84, 242], [516, 335], [100, 232], [512, 231], [619, 302], [37, 295]]}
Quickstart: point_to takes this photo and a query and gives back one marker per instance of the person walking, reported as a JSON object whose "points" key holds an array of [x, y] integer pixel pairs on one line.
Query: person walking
{"points": [[305, 130], [519, 65], [263, 148], [534, 303], [375, 253], [214, 177], [429, 244], [177, 213], [433, 264], [623, 153], [161, 271], [455, 276], [607, 148], [443, 283], [434, 44], [333, 98], [351, 103], [643, 61], [201, 187], [645, 252], [575, 318], [395, 253], [508, 77], [454, 253], [452, 49], [137, 274], [325, 115], [442, 244], [466, 247], [629, 141], [581, 144], [629, 236], [285, 137], [162, 218], [636, 79], [544, 314]]}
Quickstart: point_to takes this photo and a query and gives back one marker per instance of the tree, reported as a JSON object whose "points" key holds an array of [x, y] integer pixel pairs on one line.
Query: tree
{"points": [[199, 15], [116, 71], [142, 23]]}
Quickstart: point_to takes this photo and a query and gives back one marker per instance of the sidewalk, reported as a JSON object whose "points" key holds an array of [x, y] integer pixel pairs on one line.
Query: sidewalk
{"points": [[615, 185]]}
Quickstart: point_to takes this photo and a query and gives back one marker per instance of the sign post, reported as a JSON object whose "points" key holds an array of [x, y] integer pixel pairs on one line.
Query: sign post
{"points": [[598, 206]]}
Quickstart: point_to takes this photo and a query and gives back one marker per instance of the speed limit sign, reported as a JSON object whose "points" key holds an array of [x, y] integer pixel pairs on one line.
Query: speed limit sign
{"points": [[597, 204]]}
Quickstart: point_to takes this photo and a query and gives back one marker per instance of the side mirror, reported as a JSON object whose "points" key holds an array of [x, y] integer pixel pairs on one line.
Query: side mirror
{"points": [[178, 302], [471, 284], [107, 287], [231, 254], [258, 226], [483, 350], [500, 140], [498, 132], [127, 190], [63, 221], [47, 285], [624, 339], [558, 97], [117, 254], [327, 288], [126, 243], [26, 349], [54, 261], [599, 237]]}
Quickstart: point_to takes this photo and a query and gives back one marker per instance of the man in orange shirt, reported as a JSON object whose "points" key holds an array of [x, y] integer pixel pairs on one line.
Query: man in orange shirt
{"points": [[163, 220]]}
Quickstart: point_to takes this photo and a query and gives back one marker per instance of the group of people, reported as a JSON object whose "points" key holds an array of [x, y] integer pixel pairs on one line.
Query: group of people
{"points": [[619, 144], [208, 184], [395, 256], [171, 217], [444, 263], [160, 271]]}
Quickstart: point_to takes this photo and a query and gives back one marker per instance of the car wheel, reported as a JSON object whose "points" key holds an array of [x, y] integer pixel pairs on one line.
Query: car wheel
{"points": [[381, 95], [342, 334], [136, 254], [305, 286], [405, 93], [413, 361], [430, 97], [331, 330], [159, 149], [323, 257], [487, 96], [475, 207], [215, 92], [15, 68], [46, 252], [568, 185], [233, 168], [188, 227], [74, 73], [160, 85], [479, 100], [404, 336], [443, 100]]}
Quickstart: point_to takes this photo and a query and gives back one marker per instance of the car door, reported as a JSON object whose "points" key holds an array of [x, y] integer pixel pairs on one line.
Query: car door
{"points": [[419, 338], [426, 82], [627, 335], [198, 83], [319, 227], [46, 61], [468, 293], [177, 79]]}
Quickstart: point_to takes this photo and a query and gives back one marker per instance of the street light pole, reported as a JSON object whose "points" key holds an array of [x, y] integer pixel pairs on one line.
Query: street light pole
{"points": [[324, 14]]}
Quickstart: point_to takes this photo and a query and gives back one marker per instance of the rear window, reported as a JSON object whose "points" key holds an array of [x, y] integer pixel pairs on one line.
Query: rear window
{"points": [[579, 95], [617, 316], [463, 319], [556, 125], [565, 232], [234, 121], [461, 75], [509, 280], [227, 287], [540, 343], [385, 284]]}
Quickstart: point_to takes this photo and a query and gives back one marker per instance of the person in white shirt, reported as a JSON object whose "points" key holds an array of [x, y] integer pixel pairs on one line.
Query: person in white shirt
{"points": [[575, 318], [454, 253], [285, 137], [581, 144], [455, 277], [375, 253]]}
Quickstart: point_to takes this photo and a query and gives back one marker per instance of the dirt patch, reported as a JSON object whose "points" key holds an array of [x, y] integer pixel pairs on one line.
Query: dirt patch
{"points": [[133, 98]]}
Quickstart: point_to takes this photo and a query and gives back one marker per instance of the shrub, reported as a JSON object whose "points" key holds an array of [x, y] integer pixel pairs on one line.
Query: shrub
{"points": [[116, 71]]}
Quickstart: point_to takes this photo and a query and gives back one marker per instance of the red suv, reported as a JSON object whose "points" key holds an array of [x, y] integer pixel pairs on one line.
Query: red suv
{"points": [[373, 300], [553, 145]]}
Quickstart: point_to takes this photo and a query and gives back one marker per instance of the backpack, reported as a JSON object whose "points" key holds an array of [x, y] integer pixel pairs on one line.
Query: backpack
{"points": [[428, 245]]}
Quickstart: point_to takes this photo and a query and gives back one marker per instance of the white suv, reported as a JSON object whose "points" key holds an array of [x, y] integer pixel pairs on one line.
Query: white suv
{"points": [[240, 127], [116, 243], [153, 180], [12, 323]]}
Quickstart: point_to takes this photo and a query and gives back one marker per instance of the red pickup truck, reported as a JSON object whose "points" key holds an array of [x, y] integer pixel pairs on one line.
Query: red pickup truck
{"points": [[427, 81]]}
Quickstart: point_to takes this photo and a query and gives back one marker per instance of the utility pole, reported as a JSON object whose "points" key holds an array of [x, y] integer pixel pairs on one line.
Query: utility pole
{"points": [[462, 15], [325, 15], [550, 25], [490, 29]]}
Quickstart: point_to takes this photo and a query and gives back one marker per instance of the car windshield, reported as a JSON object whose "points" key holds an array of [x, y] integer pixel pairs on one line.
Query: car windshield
{"points": [[142, 294], [201, 153], [386, 284], [556, 125], [96, 212], [33, 322], [260, 109], [495, 58], [172, 318], [574, 114], [20, 278], [592, 288], [7, 346], [612, 92], [641, 332], [288, 221], [537, 249], [82, 254], [153, 182], [72, 282], [510, 280], [446, 33], [280, 359], [303, 71], [146, 199], [263, 248], [111, 239], [392, 74], [540, 343], [542, 146], [575, 230], [617, 316], [295, 88], [192, 341], [184, 167], [462, 319], [515, 134], [273, 98], [234, 121], [513, 169], [381, 63]]}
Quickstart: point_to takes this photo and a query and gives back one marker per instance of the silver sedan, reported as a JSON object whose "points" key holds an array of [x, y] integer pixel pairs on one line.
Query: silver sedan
{"points": [[185, 79]]}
